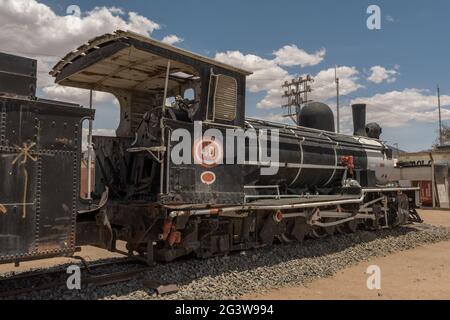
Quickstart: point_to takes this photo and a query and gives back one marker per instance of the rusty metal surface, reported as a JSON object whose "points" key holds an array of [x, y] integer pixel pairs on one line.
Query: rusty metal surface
{"points": [[40, 152]]}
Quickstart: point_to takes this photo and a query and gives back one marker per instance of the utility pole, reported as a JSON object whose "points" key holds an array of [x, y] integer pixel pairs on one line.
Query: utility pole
{"points": [[397, 151], [440, 119], [89, 150], [296, 92], [337, 99]]}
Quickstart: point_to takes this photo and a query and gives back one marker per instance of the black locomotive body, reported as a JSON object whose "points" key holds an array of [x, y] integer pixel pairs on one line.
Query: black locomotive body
{"points": [[184, 175]]}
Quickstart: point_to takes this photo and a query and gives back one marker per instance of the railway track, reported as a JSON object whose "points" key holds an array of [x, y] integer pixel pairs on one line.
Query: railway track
{"points": [[98, 273]]}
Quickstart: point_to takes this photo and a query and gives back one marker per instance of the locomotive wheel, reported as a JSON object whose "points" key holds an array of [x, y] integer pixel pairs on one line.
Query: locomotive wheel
{"points": [[341, 229], [296, 230], [284, 237], [352, 226], [299, 229], [379, 218], [317, 233], [330, 230], [399, 211], [348, 227], [320, 232]]}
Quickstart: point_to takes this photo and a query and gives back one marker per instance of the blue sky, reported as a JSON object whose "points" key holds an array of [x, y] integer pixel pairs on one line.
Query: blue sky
{"points": [[412, 41]]}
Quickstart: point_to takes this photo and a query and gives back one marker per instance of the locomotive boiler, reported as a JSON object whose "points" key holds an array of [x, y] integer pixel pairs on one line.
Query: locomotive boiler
{"points": [[187, 172], [316, 160]]}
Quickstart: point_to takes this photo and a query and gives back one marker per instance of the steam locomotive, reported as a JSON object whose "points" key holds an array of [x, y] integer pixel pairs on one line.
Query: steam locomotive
{"points": [[167, 196]]}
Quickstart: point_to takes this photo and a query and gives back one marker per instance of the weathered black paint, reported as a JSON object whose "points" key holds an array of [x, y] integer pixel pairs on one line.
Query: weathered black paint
{"points": [[40, 151], [17, 75]]}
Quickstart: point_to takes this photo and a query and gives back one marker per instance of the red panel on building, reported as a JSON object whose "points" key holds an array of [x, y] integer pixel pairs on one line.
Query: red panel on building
{"points": [[426, 194]]}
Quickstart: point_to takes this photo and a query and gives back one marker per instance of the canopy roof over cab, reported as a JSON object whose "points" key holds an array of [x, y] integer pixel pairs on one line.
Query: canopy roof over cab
{"points": [[126, 60]]}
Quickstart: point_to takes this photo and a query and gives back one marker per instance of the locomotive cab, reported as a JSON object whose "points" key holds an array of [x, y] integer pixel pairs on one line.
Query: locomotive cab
{"points": [[160, 88]]}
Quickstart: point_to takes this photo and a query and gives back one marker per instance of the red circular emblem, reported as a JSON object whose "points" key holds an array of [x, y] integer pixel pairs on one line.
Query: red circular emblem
{"points": [[208, 177], [207, 152]]}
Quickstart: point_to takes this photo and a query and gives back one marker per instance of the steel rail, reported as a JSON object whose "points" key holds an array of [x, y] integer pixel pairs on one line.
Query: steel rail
{"points": [[100, 279]]}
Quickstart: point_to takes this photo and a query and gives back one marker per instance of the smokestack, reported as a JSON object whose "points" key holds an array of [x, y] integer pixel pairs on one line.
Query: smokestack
{"points": [[359, 119]]}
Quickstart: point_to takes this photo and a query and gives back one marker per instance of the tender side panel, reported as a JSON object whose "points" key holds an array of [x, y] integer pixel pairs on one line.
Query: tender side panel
{"points": [[39, 178], [18, 196], [58, 202], [17, 205]]}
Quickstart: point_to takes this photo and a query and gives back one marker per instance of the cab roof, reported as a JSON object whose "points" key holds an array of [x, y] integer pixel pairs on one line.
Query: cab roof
{"points": [[127, 60]]}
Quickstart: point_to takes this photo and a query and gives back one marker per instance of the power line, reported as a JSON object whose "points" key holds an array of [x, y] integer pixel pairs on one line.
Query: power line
{"points": [[297, 94]]}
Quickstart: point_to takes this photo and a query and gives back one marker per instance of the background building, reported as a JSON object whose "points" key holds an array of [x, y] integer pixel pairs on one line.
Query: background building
{"points": [[428, 170]]}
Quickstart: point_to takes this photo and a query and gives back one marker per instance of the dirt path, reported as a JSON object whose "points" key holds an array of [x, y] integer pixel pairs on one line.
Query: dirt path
{"points": [[420, 273]]}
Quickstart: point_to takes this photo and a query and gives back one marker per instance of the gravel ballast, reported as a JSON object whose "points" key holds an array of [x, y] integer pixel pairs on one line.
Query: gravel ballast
{"points": [[256, 271]]}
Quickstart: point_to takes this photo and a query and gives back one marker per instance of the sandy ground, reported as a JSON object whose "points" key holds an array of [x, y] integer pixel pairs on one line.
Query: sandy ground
{"points": [[420, 273]]}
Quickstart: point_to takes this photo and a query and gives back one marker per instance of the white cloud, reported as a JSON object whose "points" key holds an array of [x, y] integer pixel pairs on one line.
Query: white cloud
{"points": [[95, 132], [172, 39], [272, 99], [324, 86], [380, 74], [267, 74], [78, 96], [116, 10], [43, 29], [390, 18], [396, 108], [45, 63], [33, 29], [274, 117], [291, 55], [393, 109]]}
